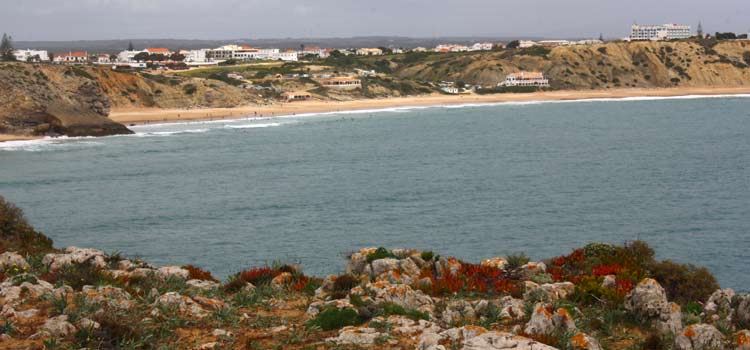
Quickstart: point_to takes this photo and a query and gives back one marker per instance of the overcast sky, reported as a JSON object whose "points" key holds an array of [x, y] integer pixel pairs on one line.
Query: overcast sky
{"points": [[255, 19]]}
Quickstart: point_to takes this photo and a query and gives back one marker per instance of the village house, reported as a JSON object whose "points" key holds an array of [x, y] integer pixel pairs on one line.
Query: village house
{"points": [[419, 49], [482, 47], [31, 55], [525, 79], [127, 56], [103, 58], [72, 57], [369, 52], [526, 43], [158, 51], [342, 83], [297, 96]]}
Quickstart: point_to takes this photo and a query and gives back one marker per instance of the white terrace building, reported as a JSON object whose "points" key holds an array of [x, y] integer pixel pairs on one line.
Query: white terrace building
{"points": [[659, 32], [525, 79], [31, 55]]}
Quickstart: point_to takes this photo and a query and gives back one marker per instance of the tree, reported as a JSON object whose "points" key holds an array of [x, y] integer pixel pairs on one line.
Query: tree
{"points": [[601, 37], [6, 48], [700, 29], [141, 56], [130, 46], [726, 36], [177, 57], [513, 44]]}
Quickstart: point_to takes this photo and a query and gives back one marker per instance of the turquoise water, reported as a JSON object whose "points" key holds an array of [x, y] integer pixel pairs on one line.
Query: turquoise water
{"points": [[474, 182]]}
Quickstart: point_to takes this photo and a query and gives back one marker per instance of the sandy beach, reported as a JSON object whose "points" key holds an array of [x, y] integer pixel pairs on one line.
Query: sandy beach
{"points": [[7, 137], [157, 115]]}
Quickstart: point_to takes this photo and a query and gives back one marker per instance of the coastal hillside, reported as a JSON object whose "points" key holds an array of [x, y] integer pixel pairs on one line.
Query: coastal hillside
{"points": [[600, 296], [604, 66], [40, 99], [47, 100]]}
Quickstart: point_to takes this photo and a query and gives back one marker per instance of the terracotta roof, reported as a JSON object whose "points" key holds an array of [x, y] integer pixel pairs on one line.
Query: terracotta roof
{"points": [[73, 54], [157, 50]]}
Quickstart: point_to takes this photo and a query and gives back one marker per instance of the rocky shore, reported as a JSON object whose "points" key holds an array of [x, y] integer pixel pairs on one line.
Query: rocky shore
{"points": [[598, 297]]}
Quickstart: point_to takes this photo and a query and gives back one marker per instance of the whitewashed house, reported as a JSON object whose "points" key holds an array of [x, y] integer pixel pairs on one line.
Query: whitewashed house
{"points": [[525, 79], [31, 55]]}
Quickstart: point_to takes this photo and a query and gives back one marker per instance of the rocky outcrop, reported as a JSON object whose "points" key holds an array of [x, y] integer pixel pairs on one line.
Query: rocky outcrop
{"points": [[700, 337]]}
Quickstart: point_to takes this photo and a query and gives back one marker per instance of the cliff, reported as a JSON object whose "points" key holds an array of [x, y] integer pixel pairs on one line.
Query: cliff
{"points": [[611, 65], [597, 297], [54, 100]]}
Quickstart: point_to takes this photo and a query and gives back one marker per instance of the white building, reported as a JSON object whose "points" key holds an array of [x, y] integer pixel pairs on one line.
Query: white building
{"points": [[659, 32], [72, 57], [526, 43], [127, 56], [525, 79], [482, 47], [31, 55], [365, 51]]}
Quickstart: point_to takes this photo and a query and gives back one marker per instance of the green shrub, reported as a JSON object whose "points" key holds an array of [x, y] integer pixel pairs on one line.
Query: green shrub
{"points": [[684, 282], [17, 235], [516, 260], [343, 285], [332, 319], [388, 309], [427, 255], [380, 253], [189, 89], [746, 57]]}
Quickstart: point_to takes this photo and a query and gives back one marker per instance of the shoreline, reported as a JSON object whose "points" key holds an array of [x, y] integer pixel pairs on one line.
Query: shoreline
{"points": [[140, 116], [146, 116]]}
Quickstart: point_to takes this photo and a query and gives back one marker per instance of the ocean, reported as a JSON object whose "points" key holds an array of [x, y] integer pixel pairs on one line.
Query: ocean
{"points": [[470, 181]]}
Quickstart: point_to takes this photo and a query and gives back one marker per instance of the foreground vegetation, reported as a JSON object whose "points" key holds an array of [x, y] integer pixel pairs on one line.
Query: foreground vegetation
{"points": [[598, 297]]}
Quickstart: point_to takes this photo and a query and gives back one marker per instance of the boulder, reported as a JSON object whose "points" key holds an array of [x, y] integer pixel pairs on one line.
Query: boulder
{"points": [[545, 322], [582, 341], [742, 340], [548, 291], [512, 309], [399, 294], [670, 322], [456, 311], [13, 261], [502, 341], [173, 271], [699, 337], [202, 284], [184, 304], [648, 300], [108, 295], [498, 263], [360, 336], [742, 311], [281, 281], [382, 266], [358, 261], [610, 281], [719, 303], [75, 255], [58, 327]]}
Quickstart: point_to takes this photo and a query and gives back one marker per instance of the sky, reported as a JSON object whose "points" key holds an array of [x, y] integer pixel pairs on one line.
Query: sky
{"points": [[37, 20]]}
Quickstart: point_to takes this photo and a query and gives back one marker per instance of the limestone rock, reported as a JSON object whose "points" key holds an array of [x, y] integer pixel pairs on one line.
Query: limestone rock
{"points": [[545, 322], [12, 260], [742, 340], [647, 300], [610, 281], [720, 302], [281, 281], [499, 263], [582, 341], [742, 311], [361, 336], [399, 294], [173, 271], [512, 309], [670, 322], [108, 295], [699, 337], [550, 291], [202, 284], [58, 327], [185, 304], [503, 341], [75, 255]]}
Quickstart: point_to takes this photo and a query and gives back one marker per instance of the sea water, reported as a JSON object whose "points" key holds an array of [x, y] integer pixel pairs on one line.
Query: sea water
{"points": [[472, 181]]}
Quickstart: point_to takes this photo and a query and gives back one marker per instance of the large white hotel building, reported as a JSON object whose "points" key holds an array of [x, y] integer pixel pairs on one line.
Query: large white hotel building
{"points": [[659, 32]]}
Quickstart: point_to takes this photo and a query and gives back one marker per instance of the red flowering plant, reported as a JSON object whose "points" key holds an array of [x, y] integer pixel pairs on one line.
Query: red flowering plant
{"points": [[472, 278]]}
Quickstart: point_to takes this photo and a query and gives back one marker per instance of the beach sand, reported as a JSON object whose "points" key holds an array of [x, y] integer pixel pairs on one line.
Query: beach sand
{"points": [[7, 137], [157, 115]]}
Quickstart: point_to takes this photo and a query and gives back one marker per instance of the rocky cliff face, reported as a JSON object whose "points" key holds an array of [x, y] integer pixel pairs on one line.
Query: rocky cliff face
{"points": [[613, 65], [75, 101], [46, 100]]}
